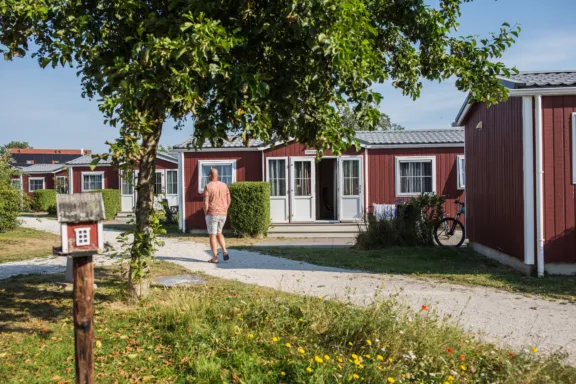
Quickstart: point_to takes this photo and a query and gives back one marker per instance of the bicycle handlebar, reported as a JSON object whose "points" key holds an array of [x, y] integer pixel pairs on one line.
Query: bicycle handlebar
{"points": [[459, 202]]}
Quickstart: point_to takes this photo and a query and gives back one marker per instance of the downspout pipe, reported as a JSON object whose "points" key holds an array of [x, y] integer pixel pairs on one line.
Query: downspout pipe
{"points": [[539, 186]]}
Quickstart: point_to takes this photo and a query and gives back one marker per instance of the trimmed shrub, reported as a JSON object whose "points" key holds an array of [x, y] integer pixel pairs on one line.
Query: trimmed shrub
{"points": [[44, 200], [412, 227], [250, 208], [112, 202], [9, 209]]}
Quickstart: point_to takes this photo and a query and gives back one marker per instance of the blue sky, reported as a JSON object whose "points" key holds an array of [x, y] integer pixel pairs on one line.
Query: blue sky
{"points": [[44, 107]]}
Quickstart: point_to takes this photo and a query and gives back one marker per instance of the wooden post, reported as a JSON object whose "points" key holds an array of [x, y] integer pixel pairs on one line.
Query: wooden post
{"points": [[84, 318]]}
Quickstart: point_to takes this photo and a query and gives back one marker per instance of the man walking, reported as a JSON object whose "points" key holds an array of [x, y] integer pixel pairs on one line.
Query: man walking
{"points": [[216, 203]]}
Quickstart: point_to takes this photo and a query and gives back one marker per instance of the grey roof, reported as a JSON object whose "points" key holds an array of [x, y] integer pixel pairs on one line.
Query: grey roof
{"points": [[80, 207], [539, 79], [407, 137], [234, 141], [87, 160], [42, 168], [168, 156], [412, 137]]}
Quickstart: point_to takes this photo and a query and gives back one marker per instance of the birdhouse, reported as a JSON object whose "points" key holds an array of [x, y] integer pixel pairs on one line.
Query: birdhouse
{"points": [[81, 217]]}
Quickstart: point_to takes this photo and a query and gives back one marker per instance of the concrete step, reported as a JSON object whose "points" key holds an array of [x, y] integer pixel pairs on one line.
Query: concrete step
{"points": [[125, 214], [343, 230]]}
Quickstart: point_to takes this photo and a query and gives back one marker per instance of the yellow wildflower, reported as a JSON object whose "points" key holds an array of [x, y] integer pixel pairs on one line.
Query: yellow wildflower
{"points": [[355, 376], [339, 359], [390, 359], [450, 378], [380, 358], [300, 319], [318, 359], [350, 343], [367, 356], [326, 357], [283, 373], [357, 362], [275, 339], [340, 366], [534, 349], [463, 367], [301, 350], [361, 366], [355, 356], [309, 370], [391, 380], [288, 345], [369, 342], [251, 336]]}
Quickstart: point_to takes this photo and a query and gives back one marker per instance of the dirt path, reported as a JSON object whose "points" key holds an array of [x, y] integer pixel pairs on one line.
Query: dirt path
{"points": [[502, 317]]}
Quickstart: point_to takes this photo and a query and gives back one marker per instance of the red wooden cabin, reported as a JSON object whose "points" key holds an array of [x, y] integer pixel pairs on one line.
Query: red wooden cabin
{"points": [[521, 173], [337, 191]]}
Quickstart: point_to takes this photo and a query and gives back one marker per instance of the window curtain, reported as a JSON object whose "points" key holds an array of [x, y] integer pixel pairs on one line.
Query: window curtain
{"points": [[415, 177], [303, 178], [277, 177]]}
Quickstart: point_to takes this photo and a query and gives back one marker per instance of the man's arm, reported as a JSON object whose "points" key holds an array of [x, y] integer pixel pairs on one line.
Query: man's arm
{"points": [[206, 200], [227, 198]]}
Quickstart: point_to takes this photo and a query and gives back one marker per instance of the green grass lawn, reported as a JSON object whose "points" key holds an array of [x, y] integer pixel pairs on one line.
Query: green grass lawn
{"points": [[461, 266], [229, 332], [25, 243]]}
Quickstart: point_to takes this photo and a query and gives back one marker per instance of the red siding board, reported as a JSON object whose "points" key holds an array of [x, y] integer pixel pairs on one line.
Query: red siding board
{"points": [[381, 174], [559, 192], [163, 164], [494, 177], [248, 168]]}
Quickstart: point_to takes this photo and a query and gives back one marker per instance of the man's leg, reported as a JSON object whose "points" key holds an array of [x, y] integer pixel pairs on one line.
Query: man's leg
{"points": [[214, 247], [222, 243], [220, 236]]}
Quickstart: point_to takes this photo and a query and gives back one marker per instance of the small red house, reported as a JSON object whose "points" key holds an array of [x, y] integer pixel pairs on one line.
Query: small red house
{"points": [[389, 166], [105, 176], [521, 173], [81, 219], [42, 176]]}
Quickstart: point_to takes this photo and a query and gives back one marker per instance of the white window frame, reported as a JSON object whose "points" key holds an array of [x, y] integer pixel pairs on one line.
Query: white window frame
{"points": [[202, 163], [287, 168], [168, 180], [414, 159], [101, 173], [77, 233], [573, 148], [36, 178], [459, 184], [65, 180]]}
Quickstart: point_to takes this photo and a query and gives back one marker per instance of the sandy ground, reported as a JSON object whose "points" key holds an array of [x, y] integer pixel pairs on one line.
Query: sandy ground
{"points": [[510, 319]]}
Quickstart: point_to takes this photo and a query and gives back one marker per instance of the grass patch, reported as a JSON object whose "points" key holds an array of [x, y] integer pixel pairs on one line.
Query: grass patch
{"points": [[25, 243], [461, 266], [229, 332]]}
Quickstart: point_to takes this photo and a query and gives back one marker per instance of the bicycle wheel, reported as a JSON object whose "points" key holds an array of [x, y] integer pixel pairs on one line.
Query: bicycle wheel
{"points": [[450, 233]]}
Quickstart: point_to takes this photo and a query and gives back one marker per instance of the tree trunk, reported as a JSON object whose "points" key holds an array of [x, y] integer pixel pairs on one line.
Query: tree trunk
{"points": [[143, 247]]}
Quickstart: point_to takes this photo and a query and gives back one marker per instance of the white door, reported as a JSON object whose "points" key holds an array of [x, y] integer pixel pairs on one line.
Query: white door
{"points": [[127, 191], [350, 188], [302, 189], [159, 191], [277, 176]]}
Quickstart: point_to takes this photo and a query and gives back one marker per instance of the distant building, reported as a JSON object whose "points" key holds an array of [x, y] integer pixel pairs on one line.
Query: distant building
{"points": [[25, 157]]}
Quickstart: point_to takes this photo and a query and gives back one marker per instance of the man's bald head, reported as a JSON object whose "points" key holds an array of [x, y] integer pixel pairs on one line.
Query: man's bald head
{"points": [[213, 175]]}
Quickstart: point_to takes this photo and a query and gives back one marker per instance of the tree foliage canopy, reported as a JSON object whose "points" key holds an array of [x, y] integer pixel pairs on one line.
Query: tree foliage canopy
{"points": [[271, 68], [14, 145]]}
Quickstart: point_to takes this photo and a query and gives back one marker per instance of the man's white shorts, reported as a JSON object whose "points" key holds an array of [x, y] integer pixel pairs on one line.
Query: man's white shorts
{"points": [[215, 224]]}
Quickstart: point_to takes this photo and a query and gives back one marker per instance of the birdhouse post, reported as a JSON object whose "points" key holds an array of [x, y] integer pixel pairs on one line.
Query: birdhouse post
{"points": [[81, 217]]}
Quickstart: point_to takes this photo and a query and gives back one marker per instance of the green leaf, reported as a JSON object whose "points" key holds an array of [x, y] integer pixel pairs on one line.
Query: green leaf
{"points": [[185, 26], [94, 163]]}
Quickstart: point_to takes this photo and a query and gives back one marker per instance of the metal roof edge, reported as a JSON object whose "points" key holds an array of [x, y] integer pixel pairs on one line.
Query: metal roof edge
{"points": [[431, 145]]}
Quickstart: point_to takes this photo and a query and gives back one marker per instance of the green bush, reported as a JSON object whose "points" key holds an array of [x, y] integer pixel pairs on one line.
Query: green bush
{"points": [[44, 200], [412, 227], [9, 209], [250, 208], [112, 202]]}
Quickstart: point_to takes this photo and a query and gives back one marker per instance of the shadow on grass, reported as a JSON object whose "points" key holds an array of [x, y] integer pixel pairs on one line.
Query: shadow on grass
{"points": [[25, 299], [462, 266]]}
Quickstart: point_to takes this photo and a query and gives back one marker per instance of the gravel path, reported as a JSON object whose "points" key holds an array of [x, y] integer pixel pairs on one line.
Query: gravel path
{"points": [[502, 317]]}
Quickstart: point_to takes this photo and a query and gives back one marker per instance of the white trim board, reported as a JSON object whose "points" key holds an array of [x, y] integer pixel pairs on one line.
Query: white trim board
{"points": [[528, 174], [459, 170], [398, 160], [573, 143]]}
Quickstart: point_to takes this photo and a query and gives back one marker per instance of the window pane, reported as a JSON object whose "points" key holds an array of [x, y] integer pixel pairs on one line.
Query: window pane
{"points": [[277, 176], [416, 177], [127, 187], [351, 175], [157, 183], [92, 182], [303, 178], [15, 184], [36, 184], [224, 173], [61, 184], [172, 183]]}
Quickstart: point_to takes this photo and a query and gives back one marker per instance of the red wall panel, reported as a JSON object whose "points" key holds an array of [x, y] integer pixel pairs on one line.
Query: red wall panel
{"points": [[111, 179], [382, 172], [72, 236], [248, 168], [163, 164], [559, 192], [494, 177]]}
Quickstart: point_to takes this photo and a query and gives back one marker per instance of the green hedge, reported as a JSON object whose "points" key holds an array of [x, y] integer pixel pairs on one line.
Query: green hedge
{"points": [[9, 209], [44, 200], [112, 202], [250, 208]]}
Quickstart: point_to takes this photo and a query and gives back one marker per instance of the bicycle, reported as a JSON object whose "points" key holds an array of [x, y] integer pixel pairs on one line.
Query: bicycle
{"points": [[450, 231]]}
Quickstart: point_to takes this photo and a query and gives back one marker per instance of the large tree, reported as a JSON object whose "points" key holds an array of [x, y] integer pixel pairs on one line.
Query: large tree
{"points": [[272, 69]]}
